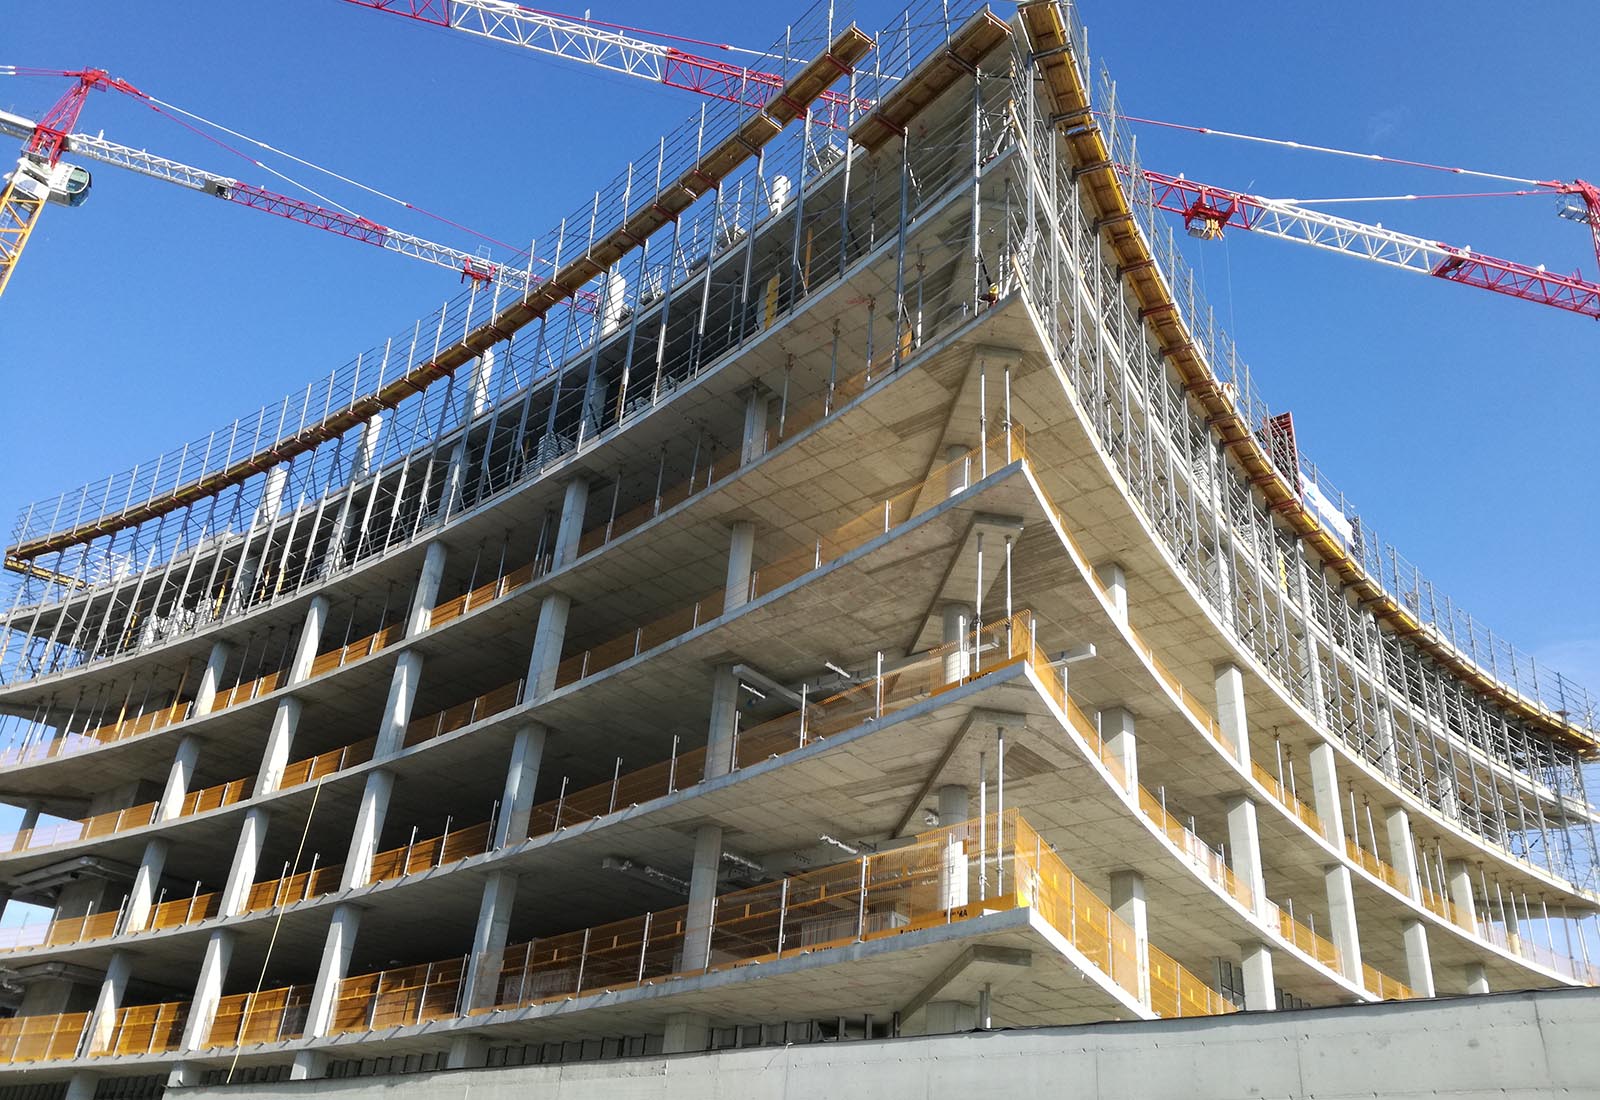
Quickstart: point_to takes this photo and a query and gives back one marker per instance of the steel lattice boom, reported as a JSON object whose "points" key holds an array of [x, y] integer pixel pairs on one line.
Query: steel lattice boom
{"points": [[352, 226], [602, 47], [1208, 210]]}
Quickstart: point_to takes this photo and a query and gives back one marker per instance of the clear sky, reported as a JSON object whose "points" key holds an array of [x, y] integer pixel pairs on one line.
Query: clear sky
{"points": [[1459, 420]]}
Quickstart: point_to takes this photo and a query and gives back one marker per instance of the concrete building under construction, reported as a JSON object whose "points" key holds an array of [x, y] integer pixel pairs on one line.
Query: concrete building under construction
{"points": [[847, 588]]}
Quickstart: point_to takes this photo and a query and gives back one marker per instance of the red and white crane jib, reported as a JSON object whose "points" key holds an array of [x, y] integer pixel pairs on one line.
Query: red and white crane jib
{"points": [[605, 47], [1208, 210], [353, 226]]}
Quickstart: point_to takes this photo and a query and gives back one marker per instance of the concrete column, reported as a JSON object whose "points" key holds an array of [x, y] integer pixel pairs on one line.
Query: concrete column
{"points": [[574, 505], [954, 804], [1231, 712], [305, 649], [246, 859], [368, 828], [1512, 920], [1244, 848], [1402, 852], [955, 808], [1260, 991], [211, 679], [741, 555], [756, 411], [82, 1085], [1419, 961], [489, 940], [280, 743], [286, 719], [103, 1019], [1116, 584], [1116, 730], [141, 895], [956, 628], [427, 590], [332, 969], [724, 719], [959, 473], [702, 895], [686, 1033], [1128, 899], [949, 1017], [467, 1052], [1343, 929], [308, 1065], [180, 777], [1461, 891], [403, 686], [1325, 794], [208, 989], [1477, 978], [522, 776], [548, 638]]}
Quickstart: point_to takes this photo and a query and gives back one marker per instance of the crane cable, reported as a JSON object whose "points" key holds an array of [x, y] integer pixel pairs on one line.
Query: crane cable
{"points": [[386, 196], [1303, 146], [266, 958]]}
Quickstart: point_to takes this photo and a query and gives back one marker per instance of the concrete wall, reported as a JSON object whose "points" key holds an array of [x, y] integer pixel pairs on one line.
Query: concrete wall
{"points": [[1508, 1046]]}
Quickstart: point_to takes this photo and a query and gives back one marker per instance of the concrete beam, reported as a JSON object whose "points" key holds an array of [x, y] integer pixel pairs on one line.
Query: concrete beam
{"points": [[977, 954]]}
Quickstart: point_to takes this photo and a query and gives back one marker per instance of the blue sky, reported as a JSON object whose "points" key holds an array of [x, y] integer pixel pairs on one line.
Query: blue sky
{"points": [[1459, 420]]}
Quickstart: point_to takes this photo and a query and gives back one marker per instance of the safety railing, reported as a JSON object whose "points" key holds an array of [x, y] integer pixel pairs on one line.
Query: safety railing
{"points": [[1007, 447], [120, 730], [1288, 799], [1324, 502], [949, 875], [268, 1016], [1442, 906], [793, 419], [1195, 850], [1303, 936], [1384, 987], [1376, 866], [140, 1029], [41, 1038], [482, 595], [375, 642], [816, 719]]}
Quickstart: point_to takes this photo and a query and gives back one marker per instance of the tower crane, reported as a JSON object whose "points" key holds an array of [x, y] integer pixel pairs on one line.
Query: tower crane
{"points": [[41, 176], [1207, 210]]}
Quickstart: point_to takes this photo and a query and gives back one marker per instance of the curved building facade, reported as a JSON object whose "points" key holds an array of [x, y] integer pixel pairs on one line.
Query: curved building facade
{"points": [[851, 590]]}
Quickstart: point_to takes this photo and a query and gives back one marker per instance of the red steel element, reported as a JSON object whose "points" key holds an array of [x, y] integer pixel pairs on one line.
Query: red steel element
{"points": [[651, 60], [357, 228], [746, 87], [436, 12], [1207, 210], [1278, 434], [49, 138], [1590, 194]]}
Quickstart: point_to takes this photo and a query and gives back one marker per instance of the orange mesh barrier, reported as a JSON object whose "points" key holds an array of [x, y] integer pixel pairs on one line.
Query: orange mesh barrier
{"points": [[265, 1017]]}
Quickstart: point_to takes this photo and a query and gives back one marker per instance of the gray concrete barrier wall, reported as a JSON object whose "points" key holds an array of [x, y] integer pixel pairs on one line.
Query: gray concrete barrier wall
{"points": [[1508, 1046]]}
